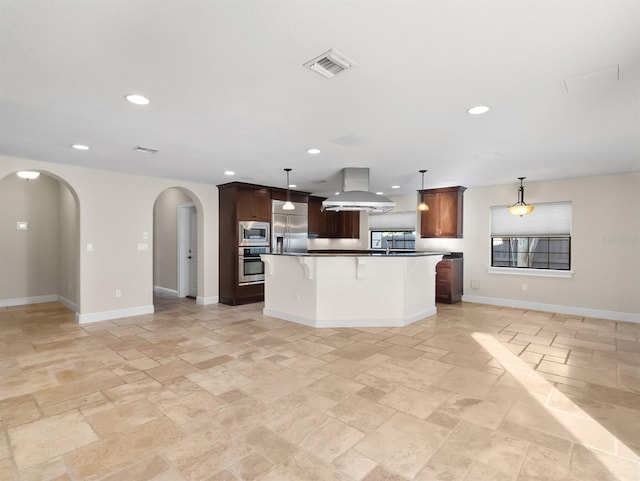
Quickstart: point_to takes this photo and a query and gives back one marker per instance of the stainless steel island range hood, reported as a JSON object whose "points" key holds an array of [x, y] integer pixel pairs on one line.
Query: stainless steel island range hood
{"points": [[355, 194]]}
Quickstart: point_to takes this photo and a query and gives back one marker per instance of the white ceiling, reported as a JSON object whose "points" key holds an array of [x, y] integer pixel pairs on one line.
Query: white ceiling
{"points": [[228, 90]]}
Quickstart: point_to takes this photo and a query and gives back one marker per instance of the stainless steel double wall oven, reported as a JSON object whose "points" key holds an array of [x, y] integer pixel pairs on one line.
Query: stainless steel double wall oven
{"points": [[254, 239]]}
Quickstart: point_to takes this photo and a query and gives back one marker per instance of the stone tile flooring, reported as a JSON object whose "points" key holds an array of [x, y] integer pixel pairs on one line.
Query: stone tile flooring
{"points": [[224, 393]]}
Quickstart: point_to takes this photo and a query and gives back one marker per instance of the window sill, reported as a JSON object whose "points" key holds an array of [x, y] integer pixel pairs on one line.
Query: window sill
{"points": [[530, 272]]}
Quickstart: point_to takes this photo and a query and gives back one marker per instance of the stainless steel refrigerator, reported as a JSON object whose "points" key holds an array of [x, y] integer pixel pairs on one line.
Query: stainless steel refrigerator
{"points": [[289, 228]]}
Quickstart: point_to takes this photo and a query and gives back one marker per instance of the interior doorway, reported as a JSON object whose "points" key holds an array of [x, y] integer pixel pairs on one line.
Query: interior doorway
{"points": [[187, 250], [40, 255], [175, 245]]}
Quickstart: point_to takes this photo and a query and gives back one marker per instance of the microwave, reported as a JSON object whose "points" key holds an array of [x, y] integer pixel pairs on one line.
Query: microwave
{"points": [[253, 233]]}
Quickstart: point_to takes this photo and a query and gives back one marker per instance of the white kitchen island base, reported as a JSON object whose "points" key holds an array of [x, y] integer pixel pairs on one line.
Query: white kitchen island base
{"points": [[348, 290]]}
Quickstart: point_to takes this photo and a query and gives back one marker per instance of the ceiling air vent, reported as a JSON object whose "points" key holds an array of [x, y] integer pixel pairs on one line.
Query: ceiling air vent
{"points": [[329, 64], [146, 150]]}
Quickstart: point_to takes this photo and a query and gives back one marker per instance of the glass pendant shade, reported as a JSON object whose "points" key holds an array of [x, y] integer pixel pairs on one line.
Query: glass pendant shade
{"points": [[521, 207], [422, 206], [521, 210], [288, 205]]}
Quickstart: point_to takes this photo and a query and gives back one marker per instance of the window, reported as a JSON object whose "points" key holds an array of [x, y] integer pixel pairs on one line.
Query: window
{"points": [[393, 239], [540, 240], [531, 252], [395, 230]]}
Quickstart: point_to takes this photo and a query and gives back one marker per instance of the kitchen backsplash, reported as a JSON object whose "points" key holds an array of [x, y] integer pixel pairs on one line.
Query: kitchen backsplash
{"points": [[318, 244], [452, 245]]}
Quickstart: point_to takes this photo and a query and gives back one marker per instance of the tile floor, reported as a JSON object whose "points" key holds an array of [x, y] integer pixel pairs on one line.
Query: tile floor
{"points": [[224, 393]]}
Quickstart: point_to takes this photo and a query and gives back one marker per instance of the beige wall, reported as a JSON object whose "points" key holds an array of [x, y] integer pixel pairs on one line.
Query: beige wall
{"points": [[29, 258], [605, 248], [116, 210], [165, 238], [68, 252]]}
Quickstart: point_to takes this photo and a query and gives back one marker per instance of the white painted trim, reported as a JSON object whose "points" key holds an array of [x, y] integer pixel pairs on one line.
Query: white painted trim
{"points": [[205, 301], [69, 304], [165, 291], [571, 310], [21, 301], [323, 323], [117, 314], [514, 271]]}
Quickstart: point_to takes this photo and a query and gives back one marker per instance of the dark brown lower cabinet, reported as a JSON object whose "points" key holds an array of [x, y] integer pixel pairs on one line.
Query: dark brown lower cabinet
{"points": [[449, 280], [235, 295]]}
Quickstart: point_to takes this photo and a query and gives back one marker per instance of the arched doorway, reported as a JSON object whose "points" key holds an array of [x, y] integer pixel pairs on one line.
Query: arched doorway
{"points": [[40, 255], [175, 244]]}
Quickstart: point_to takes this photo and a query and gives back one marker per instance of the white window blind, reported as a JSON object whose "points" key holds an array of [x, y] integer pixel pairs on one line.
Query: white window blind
{"points": [[393, 221], [548, 219]]}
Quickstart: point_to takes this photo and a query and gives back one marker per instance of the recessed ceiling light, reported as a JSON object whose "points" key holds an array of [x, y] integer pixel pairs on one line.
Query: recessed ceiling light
{"points": [[28, 174], [137, 99], [80, 147], [313, 151], [337, 193], [229, 172], [379, 193], [395, 186], [478, 109], [292, 186]]}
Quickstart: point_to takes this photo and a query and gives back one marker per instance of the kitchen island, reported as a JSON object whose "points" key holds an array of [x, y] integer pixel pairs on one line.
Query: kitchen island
{"points": [[368, 289]]}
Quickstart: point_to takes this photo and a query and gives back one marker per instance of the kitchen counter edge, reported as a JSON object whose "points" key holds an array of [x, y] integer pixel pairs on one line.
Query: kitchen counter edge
{"points": [[362, 254]]}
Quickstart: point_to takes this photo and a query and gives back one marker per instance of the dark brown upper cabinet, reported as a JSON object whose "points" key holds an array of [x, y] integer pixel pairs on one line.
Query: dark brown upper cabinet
{"points": [[294, 195], [253, 203], [330, 224], [444, 217]]}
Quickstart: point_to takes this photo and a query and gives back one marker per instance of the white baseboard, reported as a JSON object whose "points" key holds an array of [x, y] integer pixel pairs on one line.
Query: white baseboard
{"points": [[70, 304], [205, 301], [571, 310], [21, 301], [117, 314], [165, 291], [335, 323]]}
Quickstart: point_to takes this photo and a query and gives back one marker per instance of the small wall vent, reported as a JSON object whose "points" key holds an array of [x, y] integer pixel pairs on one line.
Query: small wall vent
{"points": [[146, 150], [329, 64]]}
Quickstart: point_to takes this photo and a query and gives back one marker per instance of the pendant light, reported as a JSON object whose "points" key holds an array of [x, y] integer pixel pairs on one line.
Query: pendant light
{"points": [[288, 205], [422, 206], [521, 207]]}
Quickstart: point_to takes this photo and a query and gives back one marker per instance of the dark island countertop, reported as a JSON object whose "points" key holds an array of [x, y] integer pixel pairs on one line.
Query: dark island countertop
{"points": [[370, 253]]}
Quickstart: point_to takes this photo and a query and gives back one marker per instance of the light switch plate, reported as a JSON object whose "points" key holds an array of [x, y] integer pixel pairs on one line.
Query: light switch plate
{"points": [[22, 225]]}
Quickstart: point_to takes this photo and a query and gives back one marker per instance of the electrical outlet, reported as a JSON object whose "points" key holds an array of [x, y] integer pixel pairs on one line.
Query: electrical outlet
{"points": [[524, 287], [475, 284], [118, 293]]}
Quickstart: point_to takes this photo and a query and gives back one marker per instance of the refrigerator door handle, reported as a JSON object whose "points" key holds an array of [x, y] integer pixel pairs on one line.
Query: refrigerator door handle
{"points": [[287, 234]]}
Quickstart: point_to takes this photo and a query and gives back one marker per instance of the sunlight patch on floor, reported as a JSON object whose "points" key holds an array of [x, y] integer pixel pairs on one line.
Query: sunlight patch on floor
{"points": [[614, 455]]}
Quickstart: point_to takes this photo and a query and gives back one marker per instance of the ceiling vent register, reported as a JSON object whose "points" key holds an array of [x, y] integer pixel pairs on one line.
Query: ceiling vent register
{"points": [[329, 64], [146, 150]]}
